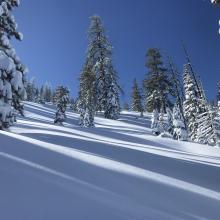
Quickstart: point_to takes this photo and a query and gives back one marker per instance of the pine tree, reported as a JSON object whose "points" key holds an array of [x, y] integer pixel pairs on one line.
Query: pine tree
{"points": [[206, 133], [179, 129], [87, 96], [31, 90], [12, 90], [177, 89], [99, 55], [136, 97], [197, 113], [191, 105], [156, 84], [62, 100]]}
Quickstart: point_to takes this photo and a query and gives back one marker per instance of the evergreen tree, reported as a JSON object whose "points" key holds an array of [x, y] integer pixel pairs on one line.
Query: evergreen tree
{"points": [[87, 96], [197, 113], [99, 54], [179, 129], [191, 105], [177, 89], [62, 100], [156, 85], [136, 104], [31, 90], [12, 90]]}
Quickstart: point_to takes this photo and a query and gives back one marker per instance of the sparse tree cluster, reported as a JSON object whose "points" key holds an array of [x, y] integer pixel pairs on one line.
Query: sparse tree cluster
{"points": [[188, 114]]}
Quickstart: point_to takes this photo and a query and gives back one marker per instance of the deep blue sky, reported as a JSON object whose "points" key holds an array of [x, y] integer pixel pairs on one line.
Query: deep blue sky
{"points": [[55, 37]]}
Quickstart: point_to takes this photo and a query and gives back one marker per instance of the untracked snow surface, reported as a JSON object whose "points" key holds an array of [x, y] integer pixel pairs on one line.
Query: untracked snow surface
{"points": [[115, 171]]}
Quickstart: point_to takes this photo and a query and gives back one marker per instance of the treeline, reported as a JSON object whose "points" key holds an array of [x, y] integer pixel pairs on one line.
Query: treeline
{"points": [[177, 101]]}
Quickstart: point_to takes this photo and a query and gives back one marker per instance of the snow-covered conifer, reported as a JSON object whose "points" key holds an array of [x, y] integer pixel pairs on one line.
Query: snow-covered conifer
{"points": [[87, 96], [62, 100], [156, 85], [31, 90], [191, 106], [12, 89], [99, 55], [206, 133]]}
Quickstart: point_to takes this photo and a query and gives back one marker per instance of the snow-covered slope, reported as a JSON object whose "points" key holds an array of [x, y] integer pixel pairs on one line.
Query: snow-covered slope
{"points": [[115, 171]]}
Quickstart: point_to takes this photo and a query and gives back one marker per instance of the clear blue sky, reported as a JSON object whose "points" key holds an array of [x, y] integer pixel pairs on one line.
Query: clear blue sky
{"points": [[55, 37]]}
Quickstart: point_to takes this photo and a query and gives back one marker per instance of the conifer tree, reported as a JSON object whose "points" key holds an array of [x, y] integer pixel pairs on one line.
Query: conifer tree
{"points": [[62, 100], [206, 133], [12, 90], [156, 84], [197, 113], [177, 89], [31, 90], [136, 97], [99, 55], [87, 96], [191, 105]]}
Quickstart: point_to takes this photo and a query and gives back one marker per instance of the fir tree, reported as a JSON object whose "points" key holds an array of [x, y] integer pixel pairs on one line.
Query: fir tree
{"points": [[62, 100], [156, 84], [136, 97], [87, 96], [177, 89], [99, 55], [197, 113], [191, 105], [12, 90], [31, 90]]}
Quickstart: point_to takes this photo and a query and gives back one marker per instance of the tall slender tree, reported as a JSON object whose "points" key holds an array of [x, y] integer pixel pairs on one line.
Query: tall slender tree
{"points": [[62, 100], [87, 96], [191, 106], [156, 84], [99, 55]]}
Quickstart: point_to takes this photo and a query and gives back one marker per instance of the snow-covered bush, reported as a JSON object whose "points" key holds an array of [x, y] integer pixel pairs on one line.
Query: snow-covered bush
{"points": [[179, 129], [155, 123]]}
